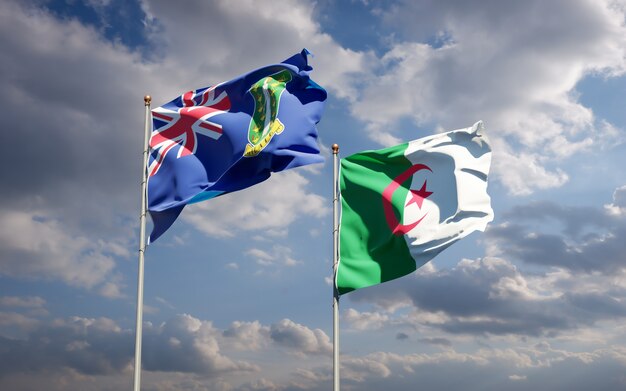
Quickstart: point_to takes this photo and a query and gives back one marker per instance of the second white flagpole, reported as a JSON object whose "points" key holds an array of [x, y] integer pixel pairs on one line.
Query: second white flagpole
{"points": [[335, 257], [142, 246]]}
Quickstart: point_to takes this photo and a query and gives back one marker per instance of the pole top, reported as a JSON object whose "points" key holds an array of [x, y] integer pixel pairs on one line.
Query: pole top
{"points": [[335, 149], [147, 99]]}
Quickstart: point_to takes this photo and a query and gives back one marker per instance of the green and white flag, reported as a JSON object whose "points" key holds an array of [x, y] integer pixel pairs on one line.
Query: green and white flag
{"points": [[403, 205]]}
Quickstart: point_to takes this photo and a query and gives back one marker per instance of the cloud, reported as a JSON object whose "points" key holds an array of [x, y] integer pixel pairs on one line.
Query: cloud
{"points": [[492, 369], [226, 47], [592, 239], [297, 338], [575, 281], [20, 315], [112, 290], [75, 107], [289, 334], [35, 247], [402, 336], [70, 95], [248, 335], [78, 161], [511, 65], [443, 342], [13, 324], [278, 257], [273, 204], [364, 320], [187, 344], [261, 385], [618, 206], [360, 369], [100, 347], [89, 346], [22, 302], [185, 353], [518, 368], [491, 297]]}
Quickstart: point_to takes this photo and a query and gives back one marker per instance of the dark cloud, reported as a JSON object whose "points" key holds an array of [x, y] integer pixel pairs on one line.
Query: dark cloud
{"points": [[100, 347], [602, 373], [471, 291], [486, 370], [187, 344], [73, 128], [75, 111], [492, 296], [183, 344], [591, 239], [300, 338], [89, 346], [402, 336], [73, 98]]}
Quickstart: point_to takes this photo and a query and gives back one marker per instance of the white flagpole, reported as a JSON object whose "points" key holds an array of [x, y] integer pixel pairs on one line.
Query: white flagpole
{"points": [[335, 256], [142, 246]]}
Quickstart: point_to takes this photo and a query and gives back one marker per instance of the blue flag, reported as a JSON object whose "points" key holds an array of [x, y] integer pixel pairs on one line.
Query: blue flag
{"points": [[230, 136]]}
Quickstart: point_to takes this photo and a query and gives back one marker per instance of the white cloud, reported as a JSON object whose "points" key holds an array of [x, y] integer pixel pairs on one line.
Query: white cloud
{"points": [[300, 338], [361, 369], [247, 335], [517, 170], [66, 215], [111, 290], [364, 320], [273, 204], [12, 324], [164, 302], [96, 350], [509, 64], [23, 315], [592, 239], [279, 256], [618, 206], [33, 247], [187, 353], [493, 297], [227, 48], [188, 344], [23, 302]]}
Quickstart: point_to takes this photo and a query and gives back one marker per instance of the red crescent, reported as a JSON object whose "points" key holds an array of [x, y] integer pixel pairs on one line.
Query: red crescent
{"points": [[396, 227]]}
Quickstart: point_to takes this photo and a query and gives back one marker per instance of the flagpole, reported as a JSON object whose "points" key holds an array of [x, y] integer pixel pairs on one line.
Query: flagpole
{"points": [[335, 256], [142, 246]]}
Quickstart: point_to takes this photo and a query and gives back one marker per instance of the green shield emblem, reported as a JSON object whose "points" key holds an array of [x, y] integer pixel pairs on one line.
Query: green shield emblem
{"points": [[264, 123]]}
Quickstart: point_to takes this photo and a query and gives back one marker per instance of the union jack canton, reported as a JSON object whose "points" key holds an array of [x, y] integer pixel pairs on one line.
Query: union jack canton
{"points": [[181, 127]]}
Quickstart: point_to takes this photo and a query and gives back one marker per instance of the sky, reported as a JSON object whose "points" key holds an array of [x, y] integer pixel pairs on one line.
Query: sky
{"points": [[238, 293]]}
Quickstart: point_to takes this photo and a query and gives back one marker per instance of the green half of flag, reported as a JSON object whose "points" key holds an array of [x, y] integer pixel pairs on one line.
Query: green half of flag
{"points": [[401, 206]]}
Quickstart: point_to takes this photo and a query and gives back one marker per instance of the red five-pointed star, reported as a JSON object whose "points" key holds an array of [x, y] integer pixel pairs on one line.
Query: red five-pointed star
{"points": [[418, 196]]}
